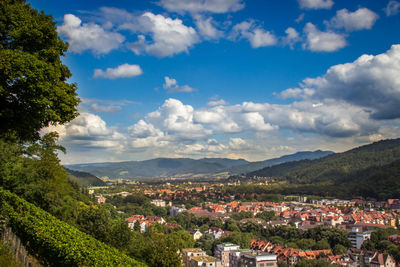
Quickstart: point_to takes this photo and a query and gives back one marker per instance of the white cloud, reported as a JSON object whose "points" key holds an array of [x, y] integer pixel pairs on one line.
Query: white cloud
{"points": [[315, 4], [122, 71], [392, 8], [238, 143], [361, 19], [172, 86], [167, 36], [176, 119], [196, 6], [257, 36], [292, 37], [300, 18], [89, 131], [319, 41], [95, 107], [372, 82], [88, 36], [214, 103], [207, 28], [296, 93]]}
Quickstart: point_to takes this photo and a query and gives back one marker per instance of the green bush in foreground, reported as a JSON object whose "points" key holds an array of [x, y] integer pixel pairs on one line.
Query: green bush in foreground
{"points": [[55, 242]]}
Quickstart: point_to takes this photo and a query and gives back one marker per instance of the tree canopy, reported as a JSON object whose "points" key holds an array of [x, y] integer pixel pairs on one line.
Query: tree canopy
{"points": [[34, 91]]}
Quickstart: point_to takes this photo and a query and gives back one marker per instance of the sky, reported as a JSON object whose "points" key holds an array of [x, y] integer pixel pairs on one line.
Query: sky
{"points": [[252, 79]]}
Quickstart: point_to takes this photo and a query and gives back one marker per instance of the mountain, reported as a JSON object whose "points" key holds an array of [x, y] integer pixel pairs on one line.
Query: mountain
{"points": [[84, 179], [368, 171], [253, 166], [164, 167]]}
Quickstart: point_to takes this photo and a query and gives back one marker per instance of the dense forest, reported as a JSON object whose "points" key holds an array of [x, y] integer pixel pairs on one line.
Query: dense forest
{"points": [[370, 171]]}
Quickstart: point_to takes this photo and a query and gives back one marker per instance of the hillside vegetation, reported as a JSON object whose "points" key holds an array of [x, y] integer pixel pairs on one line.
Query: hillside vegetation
{"points": [[84, 179], [57, 243], [368, 171], [181, 166]]}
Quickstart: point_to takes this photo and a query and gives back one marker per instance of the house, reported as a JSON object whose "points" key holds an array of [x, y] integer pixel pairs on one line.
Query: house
{"points": [[188, 253], [204, 261], [341, 260], [158, 202], [215, 232], [382, 260], [196, 234], [100, 199]]}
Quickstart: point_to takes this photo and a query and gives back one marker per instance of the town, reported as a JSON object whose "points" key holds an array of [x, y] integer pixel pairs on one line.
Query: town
{"points": [[232, 227]]}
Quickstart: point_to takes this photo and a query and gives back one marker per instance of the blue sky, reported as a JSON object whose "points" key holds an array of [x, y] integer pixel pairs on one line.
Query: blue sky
{"points": [[233, 78]]}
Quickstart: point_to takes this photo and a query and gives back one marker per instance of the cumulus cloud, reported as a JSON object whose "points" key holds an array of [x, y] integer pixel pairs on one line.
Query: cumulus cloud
{"points": [[372, 82], [292, 37], [196, 6], [122, 71], [361, 19], [176, 119], [172, 86], [392, 8], [89, 131], [167, 36], [88, 36], [207, 27], [315, 4], [214, 103], [296, 93], [319, 41], [257, 36]]}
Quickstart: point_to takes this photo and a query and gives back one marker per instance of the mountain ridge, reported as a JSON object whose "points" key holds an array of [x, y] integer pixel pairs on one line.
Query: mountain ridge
{"points": [[161, 167]]}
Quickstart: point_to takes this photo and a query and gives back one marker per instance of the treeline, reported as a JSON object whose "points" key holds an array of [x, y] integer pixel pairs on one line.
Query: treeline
{"points": [[369, 171]]}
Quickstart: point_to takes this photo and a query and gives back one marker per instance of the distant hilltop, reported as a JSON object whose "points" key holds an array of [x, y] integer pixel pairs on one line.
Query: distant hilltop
{"points": [[168, 167]]}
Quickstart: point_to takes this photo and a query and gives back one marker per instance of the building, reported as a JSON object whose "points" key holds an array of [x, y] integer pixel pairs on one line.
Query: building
{"points": [[175, 211], [100, 199], [357, 237], [158, 202], [206, 261], [382, 260], [196, 234], [222, 251], [258, 259], [188, 253], [234, 257]]}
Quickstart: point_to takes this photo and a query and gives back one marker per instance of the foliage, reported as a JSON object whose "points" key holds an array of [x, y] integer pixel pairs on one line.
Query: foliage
{"points": [[7, 257], [266, 215], [33, 88], [369, 171], [54, 241], [378, 241]]}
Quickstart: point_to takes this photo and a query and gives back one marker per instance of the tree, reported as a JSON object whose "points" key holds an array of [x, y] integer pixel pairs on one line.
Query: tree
{"points": [[33, 81], [266, 215], [339, 249]]}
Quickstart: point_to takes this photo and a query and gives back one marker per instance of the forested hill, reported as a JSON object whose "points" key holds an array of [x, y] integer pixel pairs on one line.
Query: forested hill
{"points": [[370, 171], [185, 166], [84, 179]]}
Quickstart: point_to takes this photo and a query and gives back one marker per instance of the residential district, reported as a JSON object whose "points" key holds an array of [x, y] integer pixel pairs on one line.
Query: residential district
{"points": [[357, 217]]}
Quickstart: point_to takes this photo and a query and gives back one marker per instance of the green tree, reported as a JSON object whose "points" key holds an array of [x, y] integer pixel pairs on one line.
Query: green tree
{"points": [[33, 81], [322, 244], [266, 215], [306, 243], [339, 249]]}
